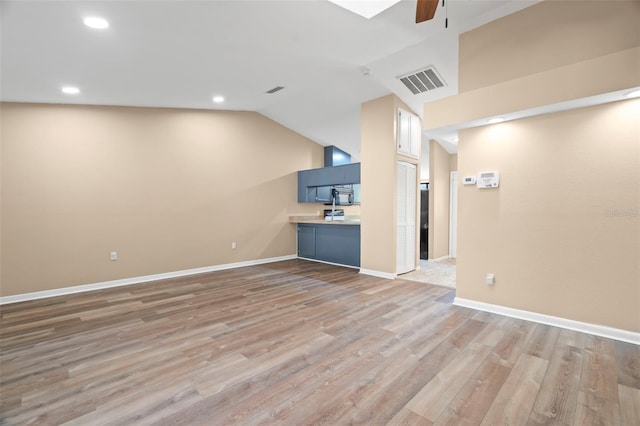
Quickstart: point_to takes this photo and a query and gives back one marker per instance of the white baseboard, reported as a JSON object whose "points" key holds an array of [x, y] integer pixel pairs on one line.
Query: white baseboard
{"points": [[378, 274], [362, 270], [328, 263], [597, 330], [438, 259], [136, 280]]}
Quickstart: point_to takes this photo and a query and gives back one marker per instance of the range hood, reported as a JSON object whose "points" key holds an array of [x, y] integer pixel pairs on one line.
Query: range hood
{"points": [[334, 156]]}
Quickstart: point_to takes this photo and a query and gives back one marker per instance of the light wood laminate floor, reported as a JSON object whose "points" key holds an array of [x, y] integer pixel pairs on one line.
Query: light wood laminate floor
{"points": [[299, 343]]}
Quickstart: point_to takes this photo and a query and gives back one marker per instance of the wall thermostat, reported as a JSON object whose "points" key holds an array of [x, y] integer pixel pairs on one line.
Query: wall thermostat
{"points": [[488, 179], [469, 180]]}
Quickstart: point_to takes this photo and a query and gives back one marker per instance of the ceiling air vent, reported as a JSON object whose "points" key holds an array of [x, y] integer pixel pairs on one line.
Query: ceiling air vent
{"points": [[275, 89], [422, 81]]}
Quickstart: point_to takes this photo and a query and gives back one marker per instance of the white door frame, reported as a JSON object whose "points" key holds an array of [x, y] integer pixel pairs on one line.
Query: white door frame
{"points": [[453, 215]]}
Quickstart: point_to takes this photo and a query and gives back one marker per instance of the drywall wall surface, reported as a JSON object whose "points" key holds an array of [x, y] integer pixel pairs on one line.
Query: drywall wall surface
{"points": [[439, 195], [378, 171], [166, 189], [453, 162], [545, 36], [379, 157], [562, 231], [614, 72]]}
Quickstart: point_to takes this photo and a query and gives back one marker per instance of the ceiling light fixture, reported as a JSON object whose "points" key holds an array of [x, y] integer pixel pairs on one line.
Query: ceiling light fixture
{"points": [[633, 94], [70, 90], [495, 120], [218, 99], [96, 23]]}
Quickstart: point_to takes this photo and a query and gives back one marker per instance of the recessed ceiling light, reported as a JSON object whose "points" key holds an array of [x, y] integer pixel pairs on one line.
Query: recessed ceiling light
{"points": [[70, 90], [633, 94], [455, 139], [495, 120], [218, 99], [96, 22]]}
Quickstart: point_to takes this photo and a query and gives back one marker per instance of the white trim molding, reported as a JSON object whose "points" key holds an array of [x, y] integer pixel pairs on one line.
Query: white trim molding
{"points": [[378, 274], [136, 280], [584, 327], [328, 263]]}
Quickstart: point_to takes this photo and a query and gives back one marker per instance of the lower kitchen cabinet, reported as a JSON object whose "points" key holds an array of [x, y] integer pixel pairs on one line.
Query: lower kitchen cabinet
{"points": [[306, 241], [330, 243]]}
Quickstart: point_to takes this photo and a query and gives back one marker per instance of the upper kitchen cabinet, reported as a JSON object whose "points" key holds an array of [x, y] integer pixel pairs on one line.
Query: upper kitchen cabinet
{"points": [[351, 173], [310, 180], [334, 156], [409, 139]]}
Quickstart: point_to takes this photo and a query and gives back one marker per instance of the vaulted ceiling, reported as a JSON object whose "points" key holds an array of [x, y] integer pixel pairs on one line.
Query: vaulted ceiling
{"points": [[182, 53]]}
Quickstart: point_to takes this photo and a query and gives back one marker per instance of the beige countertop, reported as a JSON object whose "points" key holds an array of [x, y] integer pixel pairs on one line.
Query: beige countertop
{"points": [[319, 220]]}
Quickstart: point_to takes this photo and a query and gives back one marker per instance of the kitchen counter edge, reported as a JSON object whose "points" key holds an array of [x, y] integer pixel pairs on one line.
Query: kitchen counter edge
{"points": [[318, 220]]}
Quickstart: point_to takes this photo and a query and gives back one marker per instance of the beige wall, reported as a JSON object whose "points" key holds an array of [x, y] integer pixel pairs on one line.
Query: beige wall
{"points": [[378, 171], [453, 162], [550, 53], [562, 231], [379, 158], [566, 32], [167, 189], [440, 167], [618, 71]]}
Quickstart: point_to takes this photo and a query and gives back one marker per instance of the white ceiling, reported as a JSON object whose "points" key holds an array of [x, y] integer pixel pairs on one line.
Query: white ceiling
{"points": [[181, 53]]}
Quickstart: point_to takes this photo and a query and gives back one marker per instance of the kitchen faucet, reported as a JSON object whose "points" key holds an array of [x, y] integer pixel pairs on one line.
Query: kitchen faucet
{"points": [[333, 203]]}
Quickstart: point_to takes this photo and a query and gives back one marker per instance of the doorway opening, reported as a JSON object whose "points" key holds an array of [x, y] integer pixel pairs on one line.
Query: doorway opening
{"points": [[424, 221]]}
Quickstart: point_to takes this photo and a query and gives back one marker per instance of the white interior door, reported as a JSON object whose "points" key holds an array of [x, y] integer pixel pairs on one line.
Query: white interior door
{"points": [[453, 215], [406, 196]]}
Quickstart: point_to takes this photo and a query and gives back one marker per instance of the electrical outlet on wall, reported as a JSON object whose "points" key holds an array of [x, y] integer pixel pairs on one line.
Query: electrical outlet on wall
{"points": [[233, 245], [114, 255], [491, 279]]}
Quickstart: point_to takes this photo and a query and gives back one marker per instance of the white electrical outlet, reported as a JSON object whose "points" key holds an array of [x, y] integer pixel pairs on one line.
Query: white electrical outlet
{"points": [[114, 255], [233, 245], [491, 279]]}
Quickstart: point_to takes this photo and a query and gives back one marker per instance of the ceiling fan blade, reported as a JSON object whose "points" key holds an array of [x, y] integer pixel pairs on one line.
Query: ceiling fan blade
{"points": [[425, 10]]}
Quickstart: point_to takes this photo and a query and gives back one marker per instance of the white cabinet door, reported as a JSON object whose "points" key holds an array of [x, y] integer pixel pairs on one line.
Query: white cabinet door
{"points": [[408, 137], [406, 198], [415, 133]]}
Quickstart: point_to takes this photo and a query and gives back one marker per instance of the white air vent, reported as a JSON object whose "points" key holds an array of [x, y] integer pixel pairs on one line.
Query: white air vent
{"points": [[422, 81]]}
